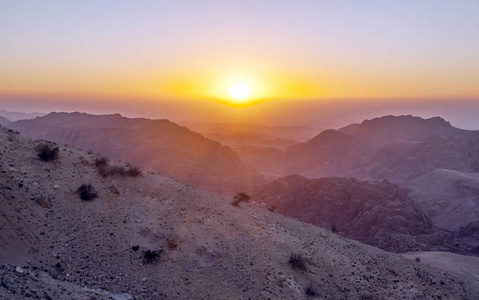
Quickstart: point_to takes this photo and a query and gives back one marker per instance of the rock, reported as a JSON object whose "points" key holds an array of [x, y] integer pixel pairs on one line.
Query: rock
{"points": [[43, 202], [19, 270], [123, 296], [56, 187], [114, 190]]}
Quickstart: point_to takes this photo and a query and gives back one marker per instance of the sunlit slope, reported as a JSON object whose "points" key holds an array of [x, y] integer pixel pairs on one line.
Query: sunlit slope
{"points": [[160, 145]]}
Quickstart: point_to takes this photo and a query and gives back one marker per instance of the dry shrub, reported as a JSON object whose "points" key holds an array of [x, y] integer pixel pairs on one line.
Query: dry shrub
{"points": [[101, 161], [240, 197], [133, 171], [47, 153], [87, 192], [296, 261], [150, 256]]}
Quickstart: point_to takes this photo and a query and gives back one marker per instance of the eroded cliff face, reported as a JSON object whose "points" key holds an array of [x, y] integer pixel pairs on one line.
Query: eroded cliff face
{"points": [[160, 145]]}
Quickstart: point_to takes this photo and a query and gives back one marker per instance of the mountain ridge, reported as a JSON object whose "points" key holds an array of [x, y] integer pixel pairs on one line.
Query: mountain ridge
{"points": [[161, 145]]}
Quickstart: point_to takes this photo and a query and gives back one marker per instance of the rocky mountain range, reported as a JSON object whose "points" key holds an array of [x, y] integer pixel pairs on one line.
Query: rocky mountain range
{"points": [[431, 161], [159, 145], [399, 148], [151, 237]]}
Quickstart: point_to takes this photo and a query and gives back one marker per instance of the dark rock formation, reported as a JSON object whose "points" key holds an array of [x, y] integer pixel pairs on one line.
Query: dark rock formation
{"points": [[375, 213]]}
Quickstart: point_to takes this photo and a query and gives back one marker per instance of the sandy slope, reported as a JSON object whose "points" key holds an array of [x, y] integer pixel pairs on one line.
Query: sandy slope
{"points": [[69, 248], [450, 262]]}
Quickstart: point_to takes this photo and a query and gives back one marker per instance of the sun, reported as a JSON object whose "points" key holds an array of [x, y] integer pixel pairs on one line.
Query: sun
{"points": [[240, 91]]}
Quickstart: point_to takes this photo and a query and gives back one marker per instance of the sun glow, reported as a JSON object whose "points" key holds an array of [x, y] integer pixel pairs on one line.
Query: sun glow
{"points": [[240, 92]]}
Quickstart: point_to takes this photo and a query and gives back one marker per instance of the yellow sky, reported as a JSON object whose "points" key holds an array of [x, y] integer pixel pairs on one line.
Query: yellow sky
{"points": [[281, 50]]}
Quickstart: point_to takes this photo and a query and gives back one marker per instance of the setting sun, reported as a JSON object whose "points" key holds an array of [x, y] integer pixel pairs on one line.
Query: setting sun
{"points": [[240, 91]]}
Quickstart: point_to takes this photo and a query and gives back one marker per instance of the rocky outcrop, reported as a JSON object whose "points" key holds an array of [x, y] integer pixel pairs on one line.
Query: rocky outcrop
{"points": [[376, 213], [160, 145]]}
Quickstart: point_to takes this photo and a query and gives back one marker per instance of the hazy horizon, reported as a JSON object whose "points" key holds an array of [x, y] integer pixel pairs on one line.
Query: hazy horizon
{"points": [[323, 114]]}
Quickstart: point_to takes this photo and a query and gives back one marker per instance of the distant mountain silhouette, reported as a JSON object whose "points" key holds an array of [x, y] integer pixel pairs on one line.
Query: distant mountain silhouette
{"points": [[160, 145], [15, 115], [397, 148]]}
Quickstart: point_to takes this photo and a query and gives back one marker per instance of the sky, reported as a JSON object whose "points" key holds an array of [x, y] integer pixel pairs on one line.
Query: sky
{"points": [[179, 59]]}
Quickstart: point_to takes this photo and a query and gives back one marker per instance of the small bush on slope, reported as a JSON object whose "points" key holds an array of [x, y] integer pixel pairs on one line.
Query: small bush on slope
{"points": [[104, 169], [150, 256], [87, 192], [296, 261], [101, 161], [240, 197], [47, 153]]}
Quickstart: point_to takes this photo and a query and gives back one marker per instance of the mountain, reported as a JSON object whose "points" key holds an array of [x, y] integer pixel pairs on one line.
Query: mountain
{"points": [[159, 145], [289, 133], [15, 115], [238, 140], [151, 237], [4, 121], [376, 213], [450, 197], [398, 148]]}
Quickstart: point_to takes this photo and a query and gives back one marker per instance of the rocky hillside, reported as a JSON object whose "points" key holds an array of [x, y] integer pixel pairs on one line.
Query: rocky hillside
{"points": [[4, 121], [151, 237], [154, 144], [450, 198], [398, 148], [376, 213]]}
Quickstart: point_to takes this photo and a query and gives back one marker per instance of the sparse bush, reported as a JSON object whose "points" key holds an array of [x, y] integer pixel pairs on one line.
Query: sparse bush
{"points": [[47, 153], [101, 161], [104, 169], [117, 170], [150, 256], [311, 291], [240, 197], [87, 192], [334, 229], [133, 171], [296, 261]]}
